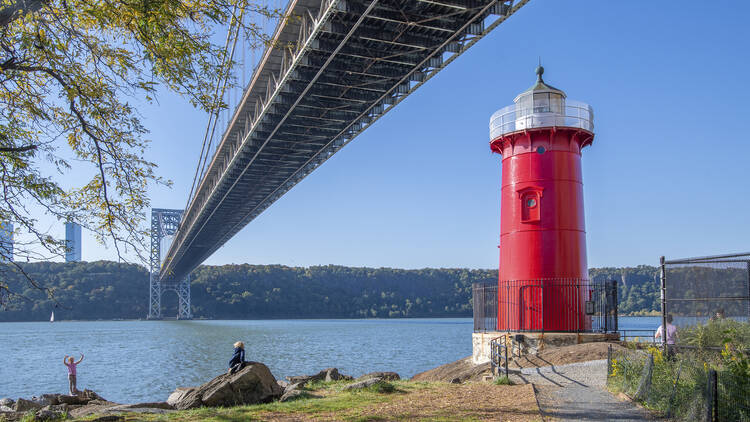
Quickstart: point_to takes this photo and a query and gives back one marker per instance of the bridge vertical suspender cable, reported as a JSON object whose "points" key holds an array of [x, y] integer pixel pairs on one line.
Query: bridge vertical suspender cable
{"points": [[356, 25], [213, 115]]}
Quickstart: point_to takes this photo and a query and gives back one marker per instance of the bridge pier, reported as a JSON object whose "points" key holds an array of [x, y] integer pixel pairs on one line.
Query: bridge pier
{"points": [[164, 225]]}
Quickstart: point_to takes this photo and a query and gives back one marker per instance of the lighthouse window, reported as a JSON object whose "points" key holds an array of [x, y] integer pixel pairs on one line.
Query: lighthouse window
{"points": [[540, 150], [531, 202], [541, 103]]}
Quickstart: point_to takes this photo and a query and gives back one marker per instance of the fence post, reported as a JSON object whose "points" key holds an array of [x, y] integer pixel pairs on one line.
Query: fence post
{"points": [[710, 395], [663, 277], [643, 388], [506, 358], [674, 390], [715, 394]]}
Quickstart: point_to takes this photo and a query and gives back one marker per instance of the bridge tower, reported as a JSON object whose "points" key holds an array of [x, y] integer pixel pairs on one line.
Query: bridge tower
{"points": [[543, 269], [164, 224]]}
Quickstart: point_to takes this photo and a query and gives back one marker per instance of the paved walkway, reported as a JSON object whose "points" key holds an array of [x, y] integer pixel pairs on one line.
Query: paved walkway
{"points": [[576, 392]]}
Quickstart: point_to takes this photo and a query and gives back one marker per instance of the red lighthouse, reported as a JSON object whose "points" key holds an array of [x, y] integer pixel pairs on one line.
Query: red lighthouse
{"points": [[543, 272]]}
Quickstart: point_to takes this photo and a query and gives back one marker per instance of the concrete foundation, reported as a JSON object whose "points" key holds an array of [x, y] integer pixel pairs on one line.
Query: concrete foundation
{"points": [[530, 343]]}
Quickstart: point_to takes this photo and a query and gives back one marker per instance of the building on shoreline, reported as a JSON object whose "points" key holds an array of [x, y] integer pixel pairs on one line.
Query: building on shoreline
{"points": [[72, 242]]}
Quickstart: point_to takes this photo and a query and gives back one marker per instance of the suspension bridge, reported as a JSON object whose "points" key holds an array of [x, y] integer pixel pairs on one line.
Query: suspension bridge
{"points": [[332, 68]]}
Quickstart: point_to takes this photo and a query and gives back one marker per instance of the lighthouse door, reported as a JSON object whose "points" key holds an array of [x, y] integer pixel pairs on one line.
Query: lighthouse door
{"points": [[531, 314]]}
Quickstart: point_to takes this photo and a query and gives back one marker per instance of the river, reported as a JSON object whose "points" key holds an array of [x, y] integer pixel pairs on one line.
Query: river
{"points": [[137, 361]]}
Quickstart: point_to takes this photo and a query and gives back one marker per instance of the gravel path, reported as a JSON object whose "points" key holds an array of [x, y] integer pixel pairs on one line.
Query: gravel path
{"points": [[575, 392]]}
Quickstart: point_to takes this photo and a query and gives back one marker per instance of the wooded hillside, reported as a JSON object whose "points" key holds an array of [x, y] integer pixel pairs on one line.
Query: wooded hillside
{"points": [[107, 290]]}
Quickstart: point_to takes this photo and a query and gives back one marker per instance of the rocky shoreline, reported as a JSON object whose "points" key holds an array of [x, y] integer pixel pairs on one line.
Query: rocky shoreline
{"points": [[252, 384]]}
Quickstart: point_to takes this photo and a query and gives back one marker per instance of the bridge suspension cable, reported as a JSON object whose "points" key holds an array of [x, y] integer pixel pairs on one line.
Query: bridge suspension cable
{"points": [[213, 117]]}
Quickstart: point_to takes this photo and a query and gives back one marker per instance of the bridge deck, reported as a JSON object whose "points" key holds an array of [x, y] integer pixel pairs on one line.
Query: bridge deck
{"points": [[335, 68]]}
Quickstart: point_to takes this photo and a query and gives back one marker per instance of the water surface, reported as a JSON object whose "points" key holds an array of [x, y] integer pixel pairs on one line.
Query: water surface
{"points": [[135, 361]]}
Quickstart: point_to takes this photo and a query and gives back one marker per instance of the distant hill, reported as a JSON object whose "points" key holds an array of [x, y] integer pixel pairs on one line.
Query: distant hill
{"points": [[108, 290]]}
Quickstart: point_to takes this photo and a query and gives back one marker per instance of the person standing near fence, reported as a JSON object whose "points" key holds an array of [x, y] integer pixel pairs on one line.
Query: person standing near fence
{"points": [[671, 336]]}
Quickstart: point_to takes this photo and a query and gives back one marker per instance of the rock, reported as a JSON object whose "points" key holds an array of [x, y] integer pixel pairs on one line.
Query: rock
{"points": [[108, 418], [52, 399], [291, 395], [178, 395], [328, 374], [455, 372], [23, 405], [84, 397], [283, 384], [295, 386], [158, 408], [4, 408], [63, 408], [88, 395], [385, 376], [46, 415], [5, 401], [150, 405], [64, 398], [251, 385], [362, 384]]}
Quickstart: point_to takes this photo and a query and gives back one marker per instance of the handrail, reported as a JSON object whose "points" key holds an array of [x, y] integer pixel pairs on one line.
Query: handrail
{"points": [[512, 118]]}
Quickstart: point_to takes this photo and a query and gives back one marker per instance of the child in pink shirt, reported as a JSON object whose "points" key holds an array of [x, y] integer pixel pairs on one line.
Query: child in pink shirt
{"points": [[69, 362]]}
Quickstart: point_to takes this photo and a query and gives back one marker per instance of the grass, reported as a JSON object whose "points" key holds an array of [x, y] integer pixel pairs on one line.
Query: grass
{"points": [[320, 398], [394, 400], [503, 381]]}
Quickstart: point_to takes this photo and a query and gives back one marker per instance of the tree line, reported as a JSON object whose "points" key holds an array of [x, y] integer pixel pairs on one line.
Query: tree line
{"points": [[109, 290]]}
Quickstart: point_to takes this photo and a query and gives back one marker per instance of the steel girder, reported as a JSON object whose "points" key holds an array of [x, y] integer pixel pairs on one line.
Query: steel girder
{"points": [[341, 65]]}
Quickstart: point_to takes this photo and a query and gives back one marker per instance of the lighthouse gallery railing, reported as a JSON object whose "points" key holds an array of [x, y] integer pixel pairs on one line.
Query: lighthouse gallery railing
{"points": [[595, 299], [571, 114]]}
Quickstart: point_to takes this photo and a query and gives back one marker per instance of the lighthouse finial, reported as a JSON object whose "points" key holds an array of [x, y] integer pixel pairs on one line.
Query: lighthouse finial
{"points": [[539, 71]]}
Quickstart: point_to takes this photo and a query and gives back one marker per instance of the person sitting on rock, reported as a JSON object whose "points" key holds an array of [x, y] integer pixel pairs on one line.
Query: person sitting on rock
{"points": [[71, 364], [238, 358]]}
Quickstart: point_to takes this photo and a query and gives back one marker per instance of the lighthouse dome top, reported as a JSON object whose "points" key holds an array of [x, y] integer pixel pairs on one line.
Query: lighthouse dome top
{"points": [[540, 87], [541, 106]]}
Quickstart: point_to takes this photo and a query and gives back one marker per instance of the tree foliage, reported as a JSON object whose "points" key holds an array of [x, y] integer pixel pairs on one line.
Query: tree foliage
{"points": [[70, 74], [107, 290]]}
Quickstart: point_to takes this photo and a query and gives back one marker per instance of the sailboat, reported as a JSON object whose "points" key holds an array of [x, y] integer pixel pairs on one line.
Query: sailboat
{"points": [[52, 317]]}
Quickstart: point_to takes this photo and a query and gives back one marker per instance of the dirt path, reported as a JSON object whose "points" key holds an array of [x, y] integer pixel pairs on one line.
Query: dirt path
{"points": [[576, 392]]}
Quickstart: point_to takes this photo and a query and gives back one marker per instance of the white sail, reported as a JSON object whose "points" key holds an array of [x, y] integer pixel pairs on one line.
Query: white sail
{"points": [[52, 317]]}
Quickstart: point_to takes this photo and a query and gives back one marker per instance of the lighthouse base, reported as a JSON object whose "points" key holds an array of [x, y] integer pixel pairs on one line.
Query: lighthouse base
{"points": [[530, 343]]}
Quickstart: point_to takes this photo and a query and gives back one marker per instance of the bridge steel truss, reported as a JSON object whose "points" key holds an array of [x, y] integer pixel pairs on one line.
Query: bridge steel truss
{"points": [[165, 222], [336, 67]]}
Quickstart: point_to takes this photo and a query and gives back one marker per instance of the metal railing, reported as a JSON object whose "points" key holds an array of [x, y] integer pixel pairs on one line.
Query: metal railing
{"points": [[511, 118], [499, 355], [638, 336], [573, 305]]}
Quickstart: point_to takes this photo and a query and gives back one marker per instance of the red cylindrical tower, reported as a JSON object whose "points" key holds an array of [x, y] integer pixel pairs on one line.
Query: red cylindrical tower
{"points": [[543, 272]]}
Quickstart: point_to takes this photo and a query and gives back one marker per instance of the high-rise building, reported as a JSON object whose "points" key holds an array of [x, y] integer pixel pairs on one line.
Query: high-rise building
{"points": [[6, 241], [72, 242]]}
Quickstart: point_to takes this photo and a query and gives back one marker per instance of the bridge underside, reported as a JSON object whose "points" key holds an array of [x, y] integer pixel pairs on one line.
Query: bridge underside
{"points": [[336, 68]]}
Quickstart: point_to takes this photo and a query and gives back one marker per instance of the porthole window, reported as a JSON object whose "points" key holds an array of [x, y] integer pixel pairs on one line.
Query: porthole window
{"points": [[531, 202], [540, 150]]}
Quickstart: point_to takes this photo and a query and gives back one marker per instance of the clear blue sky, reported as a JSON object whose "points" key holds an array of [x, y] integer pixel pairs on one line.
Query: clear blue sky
{"points": [[667, 173]]}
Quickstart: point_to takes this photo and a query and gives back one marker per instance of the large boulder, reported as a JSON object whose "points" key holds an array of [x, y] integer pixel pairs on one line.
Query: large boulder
{"points": [[385, 376], [251, 385], [23, 405], [6, 402], [328, 374]]}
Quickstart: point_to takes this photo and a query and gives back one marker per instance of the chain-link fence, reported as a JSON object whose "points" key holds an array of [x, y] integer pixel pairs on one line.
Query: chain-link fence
{"points": [[559, 305], [692, 386], [704, 289]]}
